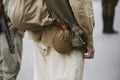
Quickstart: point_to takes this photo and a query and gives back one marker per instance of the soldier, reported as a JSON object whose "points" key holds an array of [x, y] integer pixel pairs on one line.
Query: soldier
{"points": [[108, 12], [50, 64], [10, 63]]}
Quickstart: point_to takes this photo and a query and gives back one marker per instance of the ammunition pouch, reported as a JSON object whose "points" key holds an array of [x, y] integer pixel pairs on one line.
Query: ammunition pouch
{"points": [[79, 39]]}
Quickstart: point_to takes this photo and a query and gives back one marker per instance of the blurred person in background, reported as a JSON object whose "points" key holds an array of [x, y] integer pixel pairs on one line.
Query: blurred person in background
{"points": [[9, 63], [108, 12]]}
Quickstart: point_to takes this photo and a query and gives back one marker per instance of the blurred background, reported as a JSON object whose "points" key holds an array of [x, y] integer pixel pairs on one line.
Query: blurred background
{"points": [[105, 65]]}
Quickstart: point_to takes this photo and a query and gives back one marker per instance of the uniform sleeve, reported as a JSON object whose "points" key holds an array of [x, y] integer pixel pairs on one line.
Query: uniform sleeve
{"points": [[83, 11]]}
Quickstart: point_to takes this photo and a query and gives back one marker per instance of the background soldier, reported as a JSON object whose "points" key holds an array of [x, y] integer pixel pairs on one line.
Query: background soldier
{"points": [[10, 63], [108, 11]]}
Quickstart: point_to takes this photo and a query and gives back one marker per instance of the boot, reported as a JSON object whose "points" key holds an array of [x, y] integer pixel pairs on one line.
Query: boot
{"points": [[108, 20]]}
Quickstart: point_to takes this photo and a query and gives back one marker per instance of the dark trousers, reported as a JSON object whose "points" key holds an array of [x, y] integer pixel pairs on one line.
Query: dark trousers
{"points": [[108, 12]]}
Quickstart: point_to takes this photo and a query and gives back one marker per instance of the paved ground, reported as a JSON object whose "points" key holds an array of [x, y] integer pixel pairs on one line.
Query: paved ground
{"points": [[105, 65]]}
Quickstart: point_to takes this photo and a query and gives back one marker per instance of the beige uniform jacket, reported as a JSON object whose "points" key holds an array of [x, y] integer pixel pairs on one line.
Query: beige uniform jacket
{"points": [[25, 14], [83, 11]]}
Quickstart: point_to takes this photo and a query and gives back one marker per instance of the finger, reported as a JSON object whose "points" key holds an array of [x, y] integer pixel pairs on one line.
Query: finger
{"points": [[89, 55]]}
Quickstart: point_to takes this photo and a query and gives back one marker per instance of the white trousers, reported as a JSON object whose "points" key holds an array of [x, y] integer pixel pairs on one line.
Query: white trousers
{"points": [[50, 65]]}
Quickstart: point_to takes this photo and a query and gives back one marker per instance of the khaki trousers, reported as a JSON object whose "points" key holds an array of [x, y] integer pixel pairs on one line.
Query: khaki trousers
{"points": [[10, 63], [50, 65]]}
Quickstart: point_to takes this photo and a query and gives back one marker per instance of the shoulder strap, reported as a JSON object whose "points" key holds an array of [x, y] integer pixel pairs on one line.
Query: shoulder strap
{"points": [[63, 10]]}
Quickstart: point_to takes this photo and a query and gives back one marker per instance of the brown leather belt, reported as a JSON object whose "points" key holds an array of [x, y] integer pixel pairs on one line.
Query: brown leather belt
{"points": [[58, 24]]}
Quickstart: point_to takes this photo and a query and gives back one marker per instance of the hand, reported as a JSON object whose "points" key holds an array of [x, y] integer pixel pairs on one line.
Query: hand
{"points": [[90, 52]]}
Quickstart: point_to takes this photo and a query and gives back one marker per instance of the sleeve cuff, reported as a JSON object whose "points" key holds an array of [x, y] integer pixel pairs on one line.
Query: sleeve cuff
{"points": [[90, 40]]}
